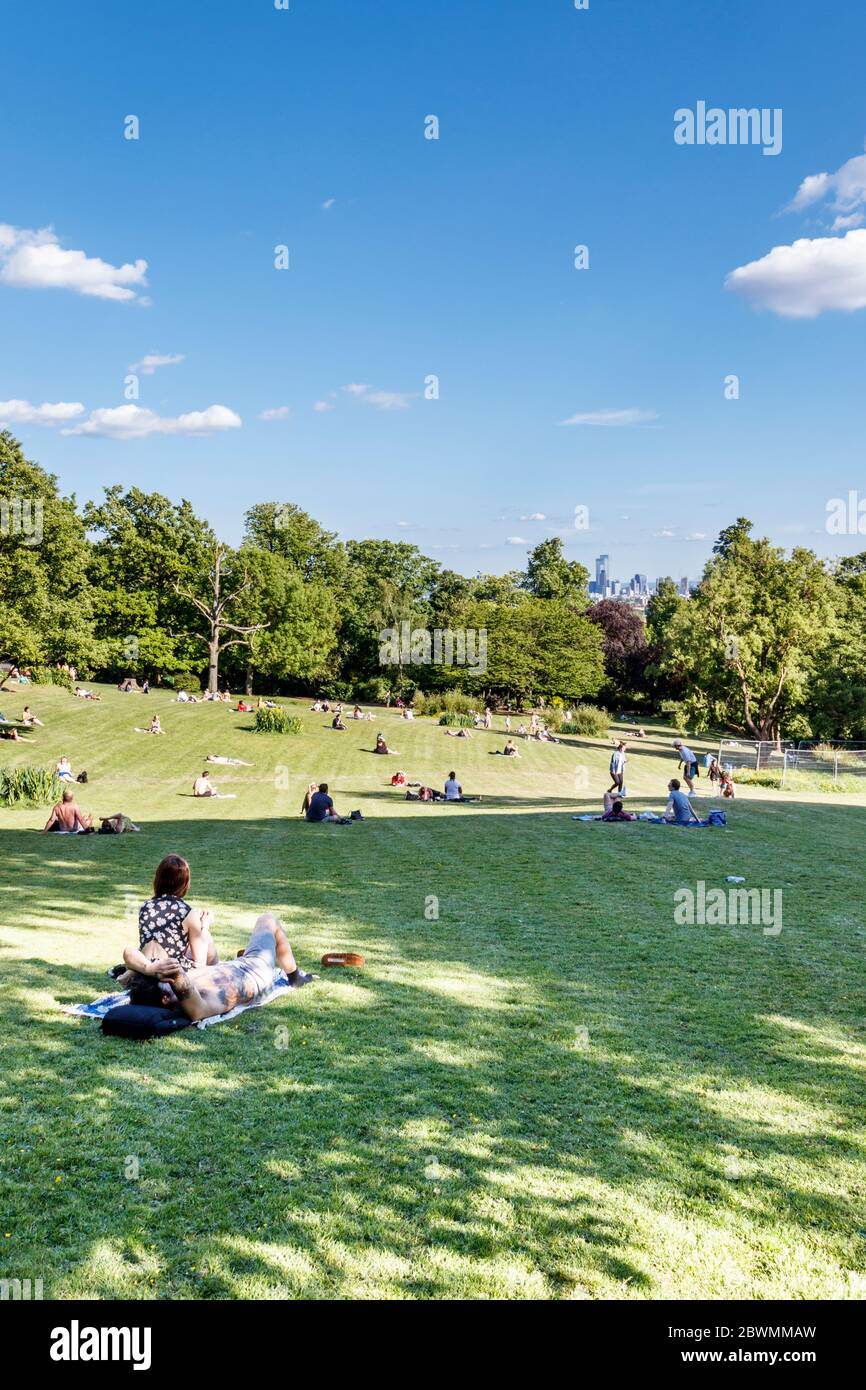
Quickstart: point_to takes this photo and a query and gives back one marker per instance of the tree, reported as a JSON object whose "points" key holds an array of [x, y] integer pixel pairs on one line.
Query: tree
{"points": [[146, 551], [214, 609], [537, 647], [549, 575], [836, 700], [731, 536], [625, 644], [749, 636], [297, 622], [45, 598]]}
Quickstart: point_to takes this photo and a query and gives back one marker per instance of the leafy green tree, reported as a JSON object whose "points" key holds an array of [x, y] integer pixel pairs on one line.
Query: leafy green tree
{"points": [[549, 575], [749, 636], [297, 621], [836, 701], [146, 550], [45, 598]]}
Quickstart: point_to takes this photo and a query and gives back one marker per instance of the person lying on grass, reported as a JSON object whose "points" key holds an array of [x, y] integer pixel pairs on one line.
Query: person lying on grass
{"points": [[617, 813], [226, 762], [679, 809], [457, 733], [211, 990], [14, 735], [67, 816], [118, 824]]}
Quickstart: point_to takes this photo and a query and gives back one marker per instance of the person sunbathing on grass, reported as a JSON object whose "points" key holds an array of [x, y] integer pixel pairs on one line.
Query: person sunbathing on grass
{"points": [[118, 824], [154, 727], [14, 735], [29, 718], [67, 816], [211, 990], [617, 813], [227, 762], [458, 733], [382, 747]]}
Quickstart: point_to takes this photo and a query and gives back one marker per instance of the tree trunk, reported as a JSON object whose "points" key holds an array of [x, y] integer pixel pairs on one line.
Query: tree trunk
{"points": [[248, 682], [213, 664]]}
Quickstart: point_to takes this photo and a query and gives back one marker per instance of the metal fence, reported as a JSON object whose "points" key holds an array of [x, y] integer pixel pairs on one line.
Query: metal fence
{"points": [[839, 764], [756, 755]]}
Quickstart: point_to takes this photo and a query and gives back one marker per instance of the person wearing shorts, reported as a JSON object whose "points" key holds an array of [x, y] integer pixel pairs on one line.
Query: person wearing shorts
{"points": [[206, 992], [689, 764]]}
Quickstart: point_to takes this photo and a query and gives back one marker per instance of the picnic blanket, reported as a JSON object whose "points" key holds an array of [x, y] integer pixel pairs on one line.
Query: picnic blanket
{"points": [[98, 1008]]}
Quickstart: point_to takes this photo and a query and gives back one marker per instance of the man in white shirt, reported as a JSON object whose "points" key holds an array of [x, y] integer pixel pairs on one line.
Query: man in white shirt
{"points": [[689, 764], [454, 791]]}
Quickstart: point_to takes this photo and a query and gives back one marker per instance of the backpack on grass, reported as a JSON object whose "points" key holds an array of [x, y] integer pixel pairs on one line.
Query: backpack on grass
{"points": [[141, 1021]]}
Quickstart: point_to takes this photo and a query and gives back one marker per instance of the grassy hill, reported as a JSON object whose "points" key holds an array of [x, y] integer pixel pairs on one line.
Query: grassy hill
{"points": [[550, 1090]]}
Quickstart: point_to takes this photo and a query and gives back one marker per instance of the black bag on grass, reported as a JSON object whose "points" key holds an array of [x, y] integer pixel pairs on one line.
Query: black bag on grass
{"points": [[142, 1021]]}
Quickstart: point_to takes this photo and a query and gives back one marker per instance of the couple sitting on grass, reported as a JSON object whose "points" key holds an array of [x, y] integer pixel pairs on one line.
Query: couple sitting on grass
{"points": [[176, 964]]}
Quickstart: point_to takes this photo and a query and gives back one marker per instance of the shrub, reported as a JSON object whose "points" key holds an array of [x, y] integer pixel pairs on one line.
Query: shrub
{"points": [[373, 692], [51, 675], [277, 721], [588, 720], [455, 720], [748, 775], [443, 701], [29, 786], [184, 680]]}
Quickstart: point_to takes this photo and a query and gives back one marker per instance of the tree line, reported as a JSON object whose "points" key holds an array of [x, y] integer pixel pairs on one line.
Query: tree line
{"points": [[137, 584]]}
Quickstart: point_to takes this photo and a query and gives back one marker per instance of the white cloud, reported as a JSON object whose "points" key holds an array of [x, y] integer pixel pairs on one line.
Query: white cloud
{"points": [[803, 280], [534, 516], [382, 400], [23, 413], [842, 224], [134, 422], [328, 203], [516, 540], [631, 416], [846, 188], [35, 260], [320, 406], [277, 412], [404, 525], [149, 363]]}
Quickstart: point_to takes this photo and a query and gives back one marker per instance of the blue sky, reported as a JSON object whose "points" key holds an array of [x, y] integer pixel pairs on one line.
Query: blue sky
{"points": [[453, 257]]}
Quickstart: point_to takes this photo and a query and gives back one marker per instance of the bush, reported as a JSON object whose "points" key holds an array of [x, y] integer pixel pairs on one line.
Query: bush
{"points": [[51, 675], [457, 721], [277, 721], [184, 680], [588, 720], [29, 786], [373, 692], [443, 701]]}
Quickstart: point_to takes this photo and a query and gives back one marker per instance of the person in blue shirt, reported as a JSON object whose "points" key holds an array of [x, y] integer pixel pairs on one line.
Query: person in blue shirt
{"points": [[679, 808]]}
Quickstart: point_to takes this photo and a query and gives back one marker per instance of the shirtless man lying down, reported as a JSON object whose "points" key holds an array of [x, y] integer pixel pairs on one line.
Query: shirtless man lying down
{"points": [[206, 991]]}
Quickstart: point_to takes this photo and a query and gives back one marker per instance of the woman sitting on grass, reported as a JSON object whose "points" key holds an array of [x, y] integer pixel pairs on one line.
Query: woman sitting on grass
{"points": [[382, 747], [208, 991], [29, 718], [168, 928]]}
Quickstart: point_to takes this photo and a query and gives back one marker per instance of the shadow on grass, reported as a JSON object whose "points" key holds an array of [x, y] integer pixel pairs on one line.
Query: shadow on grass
{"points": [[433, 1126]]}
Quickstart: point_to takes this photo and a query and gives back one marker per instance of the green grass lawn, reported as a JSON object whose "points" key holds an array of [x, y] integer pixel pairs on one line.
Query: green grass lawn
{"points": [[553, 1090]]}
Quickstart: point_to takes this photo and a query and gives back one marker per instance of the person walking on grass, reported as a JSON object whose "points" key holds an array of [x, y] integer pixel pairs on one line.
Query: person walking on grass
{"points": [[617, 768], [689, 764]]}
